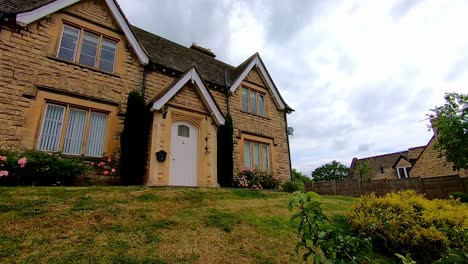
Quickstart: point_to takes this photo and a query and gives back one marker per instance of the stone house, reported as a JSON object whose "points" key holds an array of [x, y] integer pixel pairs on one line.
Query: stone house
{"points": [[67, 67], [423, 162]]}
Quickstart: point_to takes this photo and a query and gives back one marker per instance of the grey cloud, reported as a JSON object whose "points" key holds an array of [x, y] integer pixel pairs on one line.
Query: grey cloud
{"points": [[402, 7], [364, 147], [457, 70]]}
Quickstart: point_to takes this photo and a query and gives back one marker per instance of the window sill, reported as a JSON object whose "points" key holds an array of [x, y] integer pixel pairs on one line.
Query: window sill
{"points": [[83, 66], [259, 116]]}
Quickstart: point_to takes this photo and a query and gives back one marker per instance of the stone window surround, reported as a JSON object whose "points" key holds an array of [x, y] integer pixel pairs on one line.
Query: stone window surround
{"points": [[257, 139], [406, 171]]}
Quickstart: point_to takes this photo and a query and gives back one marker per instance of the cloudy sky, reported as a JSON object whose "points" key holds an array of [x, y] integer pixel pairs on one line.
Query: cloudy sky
{"points": [[361, 75]]}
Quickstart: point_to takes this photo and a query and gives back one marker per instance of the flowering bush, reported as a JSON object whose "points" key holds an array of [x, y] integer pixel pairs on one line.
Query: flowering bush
{"points": [[38, 168], [108, 165], [256, 180]]}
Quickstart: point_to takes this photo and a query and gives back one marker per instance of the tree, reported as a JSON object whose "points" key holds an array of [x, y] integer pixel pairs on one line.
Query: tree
{"points": [[225, 149], [333, 171], [363, 169], [134, 140], [450, 123], [299, 176]]}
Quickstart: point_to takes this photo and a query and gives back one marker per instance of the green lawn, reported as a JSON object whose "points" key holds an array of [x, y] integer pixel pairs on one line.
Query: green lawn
{"points": [[148, 225]]}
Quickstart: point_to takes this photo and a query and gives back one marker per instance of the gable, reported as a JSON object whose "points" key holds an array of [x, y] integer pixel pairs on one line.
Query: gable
{"points": [[254, 77], [194, 77], [188, 98], [402, 163], [95, 11], [26, 18]]}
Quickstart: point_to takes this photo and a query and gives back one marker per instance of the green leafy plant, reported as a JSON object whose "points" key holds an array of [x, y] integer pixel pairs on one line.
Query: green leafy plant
{"points": [[407, 222], [321, 240], [299, 176], [293, 186], [108, 165], [364, 170], [405, 259], [22, 168], [134, 140], [460, 195]]}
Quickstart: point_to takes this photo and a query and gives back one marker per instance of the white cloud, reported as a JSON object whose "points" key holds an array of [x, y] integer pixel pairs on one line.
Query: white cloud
{"points": [[361, 75]]}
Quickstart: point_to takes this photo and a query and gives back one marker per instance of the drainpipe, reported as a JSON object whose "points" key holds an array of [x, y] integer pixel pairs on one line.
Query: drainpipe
{"points": [[287, 140], [227, 92], [143, 82]]}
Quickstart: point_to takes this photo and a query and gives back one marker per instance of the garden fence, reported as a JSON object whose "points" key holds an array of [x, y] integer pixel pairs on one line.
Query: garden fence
{"points": [[433, 188]]}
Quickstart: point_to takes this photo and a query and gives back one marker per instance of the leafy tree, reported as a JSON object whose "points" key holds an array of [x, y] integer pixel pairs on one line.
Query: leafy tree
{"points": [[333, 171], [134, 140], [450, 122], [299, 176], [364, 169]]}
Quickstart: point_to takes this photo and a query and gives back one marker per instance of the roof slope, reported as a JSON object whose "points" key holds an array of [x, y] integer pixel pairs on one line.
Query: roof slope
{"points": [[19, 6], [172, 55]]}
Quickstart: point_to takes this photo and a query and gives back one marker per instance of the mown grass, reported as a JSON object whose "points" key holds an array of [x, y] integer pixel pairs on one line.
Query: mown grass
{"points": [[148, 225]]}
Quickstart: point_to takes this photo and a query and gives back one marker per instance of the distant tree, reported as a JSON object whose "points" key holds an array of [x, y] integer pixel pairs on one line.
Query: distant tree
{"points": [[299, 176], [364, 169], [450, 122], [333, 171], [134, 140]]}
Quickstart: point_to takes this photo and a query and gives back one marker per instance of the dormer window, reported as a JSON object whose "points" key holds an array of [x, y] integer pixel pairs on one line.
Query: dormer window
{"points": [[86, 48], [403, 172]]}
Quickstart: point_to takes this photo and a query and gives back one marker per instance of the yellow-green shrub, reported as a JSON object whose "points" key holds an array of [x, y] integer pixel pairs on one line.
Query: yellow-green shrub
{"points": [[407, 222]]}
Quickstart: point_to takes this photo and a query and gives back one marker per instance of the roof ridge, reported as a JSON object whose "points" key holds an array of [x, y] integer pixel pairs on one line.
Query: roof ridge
{"points": [[383, 155]]}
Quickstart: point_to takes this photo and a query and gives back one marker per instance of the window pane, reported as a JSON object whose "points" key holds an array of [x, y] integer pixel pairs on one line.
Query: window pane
{"points": [[106, 62], [97, 131], [261, 102], [253, 102], [247, 158], [75, 131], [407, 172], [183, 131], [51, 128], [401, 173], [68, 43], [265, 158], [256, 156], [245, 100], [89, 49]]}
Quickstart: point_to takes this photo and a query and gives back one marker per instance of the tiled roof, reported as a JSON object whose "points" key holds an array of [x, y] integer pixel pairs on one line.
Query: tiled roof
{"points": [[18, 6]]}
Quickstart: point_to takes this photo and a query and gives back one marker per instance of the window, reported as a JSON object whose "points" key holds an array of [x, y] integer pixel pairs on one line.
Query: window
{"points": [[94, 50], [256, 156], [253, 102], [183, 131], [403, 172], [84, 131]]}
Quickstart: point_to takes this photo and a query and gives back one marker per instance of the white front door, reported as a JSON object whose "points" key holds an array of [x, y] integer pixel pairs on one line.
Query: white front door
{"points": [[184, 155]]}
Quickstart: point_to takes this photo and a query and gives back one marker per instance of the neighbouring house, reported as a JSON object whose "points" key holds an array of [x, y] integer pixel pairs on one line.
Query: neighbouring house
{"points": [[424, 162], [67, 66]]}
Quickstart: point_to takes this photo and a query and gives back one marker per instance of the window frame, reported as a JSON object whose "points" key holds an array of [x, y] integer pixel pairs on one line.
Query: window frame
{"points": [[65, 124], [258, 94], [261, 166], [77, 53], [405, 170]]}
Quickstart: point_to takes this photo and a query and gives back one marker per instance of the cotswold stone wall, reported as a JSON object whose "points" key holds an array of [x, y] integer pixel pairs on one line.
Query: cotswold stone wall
{"points": [[432, 164], [28, 63]]}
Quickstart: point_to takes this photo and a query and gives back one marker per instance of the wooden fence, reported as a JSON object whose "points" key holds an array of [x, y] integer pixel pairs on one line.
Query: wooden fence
{"points": [[436, 187]]}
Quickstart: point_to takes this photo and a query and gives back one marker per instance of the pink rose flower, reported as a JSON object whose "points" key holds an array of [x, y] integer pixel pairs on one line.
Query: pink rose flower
{"points": [[3, 173], [22, 162], [109, 160], [3, 158], [92, 163], [113, 170], [106, 172]]}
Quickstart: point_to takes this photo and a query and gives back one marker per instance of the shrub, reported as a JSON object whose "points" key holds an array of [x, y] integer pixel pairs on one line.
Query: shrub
{"points": [[39, 168], [225, 148], [134, 140], [460, 195], [293, 186], [406, 222], [107, 165], [256, 180], [321, 238]]}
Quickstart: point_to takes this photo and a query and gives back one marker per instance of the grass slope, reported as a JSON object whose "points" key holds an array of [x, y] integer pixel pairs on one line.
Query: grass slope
{"points": [[148, 225]]}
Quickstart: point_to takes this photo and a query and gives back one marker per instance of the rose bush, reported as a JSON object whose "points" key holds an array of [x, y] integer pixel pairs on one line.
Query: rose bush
{"points": [[256, 180]]}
